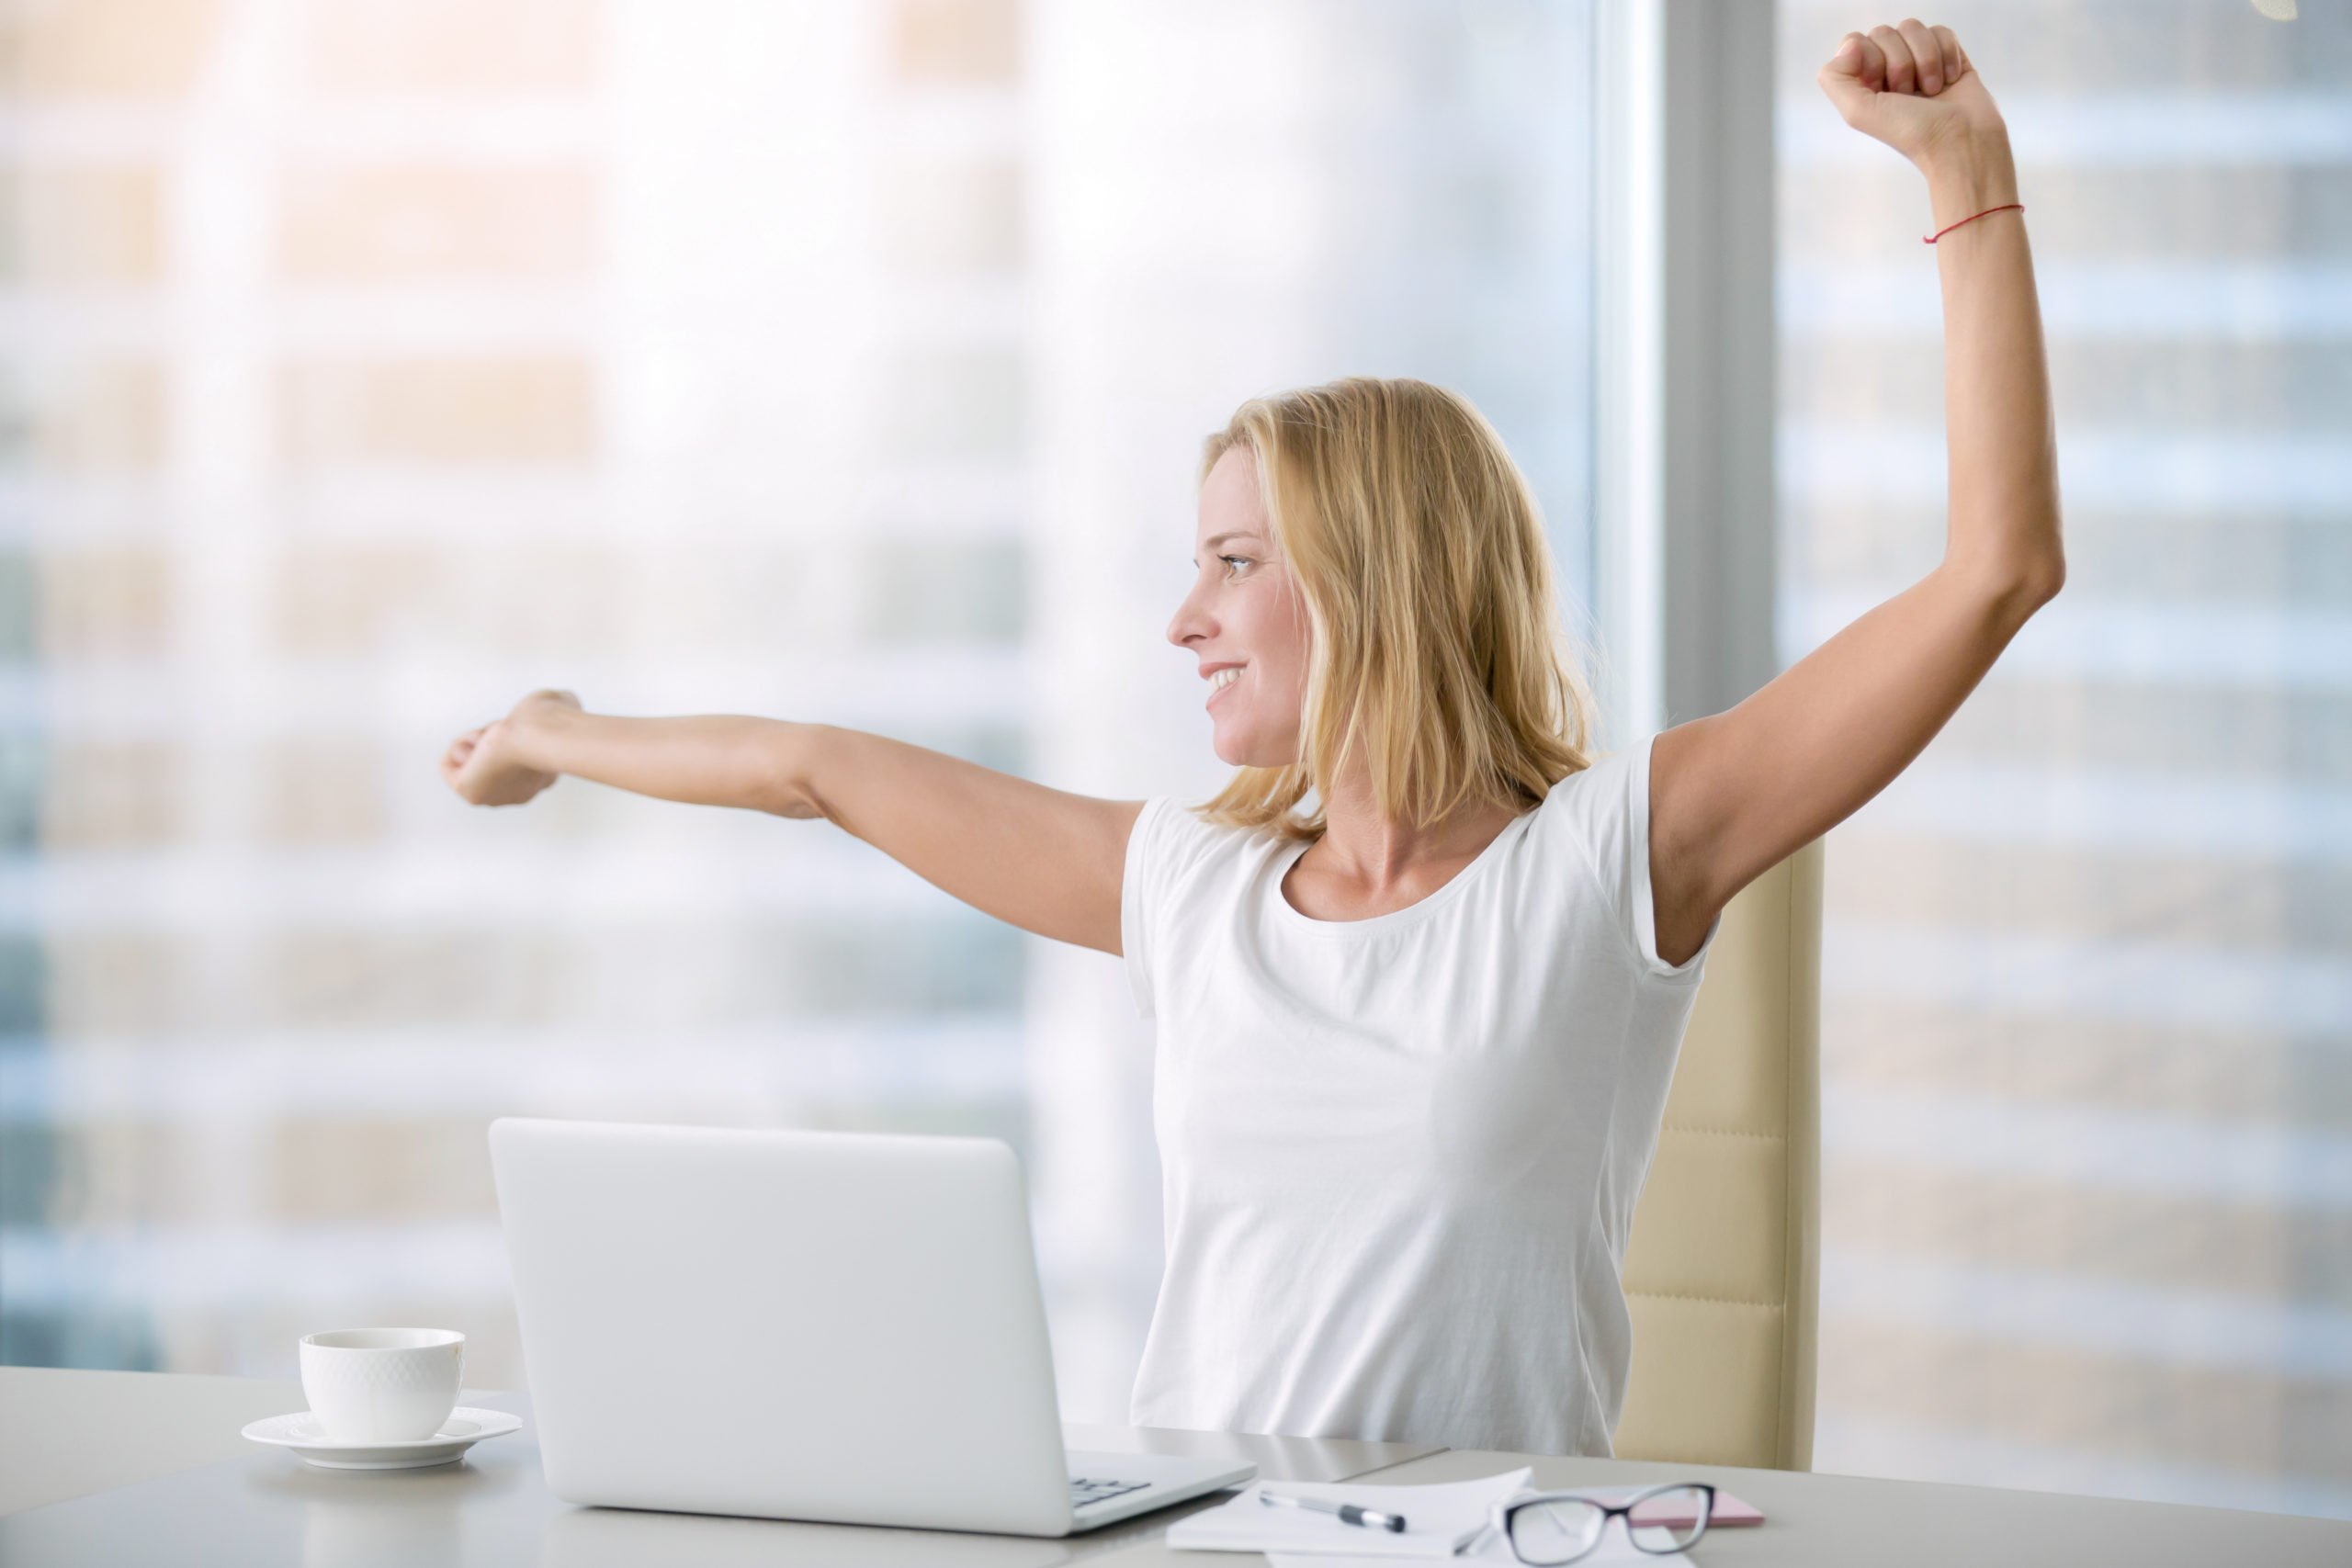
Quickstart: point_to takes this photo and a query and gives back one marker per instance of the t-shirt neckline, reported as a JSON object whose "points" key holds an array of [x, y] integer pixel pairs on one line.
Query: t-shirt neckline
{"points": [[1390, 920]]}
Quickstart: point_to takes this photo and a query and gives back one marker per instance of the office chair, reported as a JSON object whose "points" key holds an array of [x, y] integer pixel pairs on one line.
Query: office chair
{"points": [[1722, 1264]]}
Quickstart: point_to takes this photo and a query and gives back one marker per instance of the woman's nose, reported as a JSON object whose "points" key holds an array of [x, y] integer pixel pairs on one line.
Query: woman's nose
{"points": [[1187, 623]]}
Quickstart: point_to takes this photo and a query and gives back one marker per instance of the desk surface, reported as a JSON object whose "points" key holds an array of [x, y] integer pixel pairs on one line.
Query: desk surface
{"points": [[148, 1468]]}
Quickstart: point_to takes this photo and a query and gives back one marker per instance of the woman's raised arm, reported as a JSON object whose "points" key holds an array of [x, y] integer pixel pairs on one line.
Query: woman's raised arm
{"points": [[1735, 793], [1043, 860]]}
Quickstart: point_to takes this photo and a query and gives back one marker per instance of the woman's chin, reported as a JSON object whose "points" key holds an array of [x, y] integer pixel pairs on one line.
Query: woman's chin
{"points": [[1251, 751]]}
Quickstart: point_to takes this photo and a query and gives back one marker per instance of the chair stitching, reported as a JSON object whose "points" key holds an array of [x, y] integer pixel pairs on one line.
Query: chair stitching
{"points": [[1713, 1301], [1724, 1132]]}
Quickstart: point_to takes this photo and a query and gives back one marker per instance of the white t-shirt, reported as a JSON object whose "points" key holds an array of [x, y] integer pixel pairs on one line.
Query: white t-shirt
{"points": [[1400, 1155]]}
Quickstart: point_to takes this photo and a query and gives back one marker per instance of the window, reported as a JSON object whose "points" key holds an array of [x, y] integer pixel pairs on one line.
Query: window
{"points": [[842, 362], [2087, 1179]]}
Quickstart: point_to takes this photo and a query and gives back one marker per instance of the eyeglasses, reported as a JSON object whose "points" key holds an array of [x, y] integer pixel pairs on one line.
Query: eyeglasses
{"points": [[1546, 1529]]}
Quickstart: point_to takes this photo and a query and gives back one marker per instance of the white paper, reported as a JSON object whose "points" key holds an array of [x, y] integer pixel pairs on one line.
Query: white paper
{"points": [[1435, 1518]]}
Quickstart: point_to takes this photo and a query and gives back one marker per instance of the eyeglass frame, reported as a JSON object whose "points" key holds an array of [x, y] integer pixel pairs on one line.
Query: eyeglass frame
{"points": [[1499, 1513]]}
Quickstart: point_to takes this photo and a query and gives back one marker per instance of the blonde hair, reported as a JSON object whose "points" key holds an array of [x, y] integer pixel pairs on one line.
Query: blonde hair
{"points": [[1436, 643]]}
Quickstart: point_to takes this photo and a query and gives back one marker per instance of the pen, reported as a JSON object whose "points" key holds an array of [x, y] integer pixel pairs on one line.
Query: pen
{"points": [[1349, 1513]]}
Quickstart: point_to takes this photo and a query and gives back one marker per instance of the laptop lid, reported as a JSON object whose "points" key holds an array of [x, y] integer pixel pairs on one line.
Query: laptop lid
{"points": [[844, 1327]]}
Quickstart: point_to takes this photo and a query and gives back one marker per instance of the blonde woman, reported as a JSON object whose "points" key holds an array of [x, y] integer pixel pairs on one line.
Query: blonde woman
{"points": [[1414, 1044]]}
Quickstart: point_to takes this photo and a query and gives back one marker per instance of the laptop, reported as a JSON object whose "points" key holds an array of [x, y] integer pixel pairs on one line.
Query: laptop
{"points": [[842, 1326]]}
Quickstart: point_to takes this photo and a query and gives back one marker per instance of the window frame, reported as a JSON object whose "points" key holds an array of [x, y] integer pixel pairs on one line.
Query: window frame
{"points": [[1686, 503]]}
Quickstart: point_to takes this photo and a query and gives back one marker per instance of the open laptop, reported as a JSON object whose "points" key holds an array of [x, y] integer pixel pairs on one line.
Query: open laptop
{"points": [[842, 1326]]}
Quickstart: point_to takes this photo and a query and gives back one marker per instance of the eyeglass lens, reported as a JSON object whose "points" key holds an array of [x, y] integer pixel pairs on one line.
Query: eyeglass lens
{"points": [[1668, 1521], [1558, 1531], [1564, 1528]]}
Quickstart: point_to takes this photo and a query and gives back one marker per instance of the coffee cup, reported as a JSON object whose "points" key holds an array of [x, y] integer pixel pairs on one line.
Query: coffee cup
{"points": [[382, 1385]]}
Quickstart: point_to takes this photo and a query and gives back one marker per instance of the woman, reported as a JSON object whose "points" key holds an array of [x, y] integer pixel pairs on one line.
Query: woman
{"points": [[1413, 1049]]}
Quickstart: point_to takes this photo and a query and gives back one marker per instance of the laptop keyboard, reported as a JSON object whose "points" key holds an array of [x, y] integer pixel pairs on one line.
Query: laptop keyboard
{"points": [[1084, 1491]]}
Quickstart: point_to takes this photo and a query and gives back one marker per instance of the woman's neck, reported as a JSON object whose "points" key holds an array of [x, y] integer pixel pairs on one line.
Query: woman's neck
{"points": [[1378, 856]]}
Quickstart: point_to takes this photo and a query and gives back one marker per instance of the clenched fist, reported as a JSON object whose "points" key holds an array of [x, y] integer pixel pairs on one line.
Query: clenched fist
{"points": [[486, 766], [1911, 86]]}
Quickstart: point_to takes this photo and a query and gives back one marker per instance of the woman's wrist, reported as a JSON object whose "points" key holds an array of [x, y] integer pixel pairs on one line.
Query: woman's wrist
{"points": [[1964, 177], [537, 730]]}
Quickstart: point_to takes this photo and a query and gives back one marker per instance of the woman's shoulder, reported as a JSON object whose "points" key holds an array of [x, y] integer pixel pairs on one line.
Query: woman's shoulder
{"points": [[1184, 821], [1177, 850], [1595, 811], [1597, 787], [1177, 827]]}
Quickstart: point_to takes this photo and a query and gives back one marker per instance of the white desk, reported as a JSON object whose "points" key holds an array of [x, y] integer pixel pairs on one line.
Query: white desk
{"points": [[107, 1467], [148, 1468]]}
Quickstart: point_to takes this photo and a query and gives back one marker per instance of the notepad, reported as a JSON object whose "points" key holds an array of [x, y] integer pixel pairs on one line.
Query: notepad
{"points": [[1439, 1519]]}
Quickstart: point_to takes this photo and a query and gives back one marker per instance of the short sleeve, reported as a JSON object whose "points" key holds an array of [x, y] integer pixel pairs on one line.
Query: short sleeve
{"points": [[1612, 816], [1140, 888]]}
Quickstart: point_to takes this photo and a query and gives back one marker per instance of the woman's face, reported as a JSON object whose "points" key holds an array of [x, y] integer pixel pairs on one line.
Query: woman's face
{"points": [[1244, 611]]}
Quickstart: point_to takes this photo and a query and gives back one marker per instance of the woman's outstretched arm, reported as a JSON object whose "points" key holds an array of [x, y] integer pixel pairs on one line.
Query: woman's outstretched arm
{"points": [[1732, 795], [1045, 859]]}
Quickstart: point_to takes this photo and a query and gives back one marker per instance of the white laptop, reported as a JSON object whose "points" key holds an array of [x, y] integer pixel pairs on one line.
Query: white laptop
{"points": [[842, 1326]]}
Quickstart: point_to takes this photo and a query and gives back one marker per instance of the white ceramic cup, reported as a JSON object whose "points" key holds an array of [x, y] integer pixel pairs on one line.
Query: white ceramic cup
{"points": [[382, 1385]]}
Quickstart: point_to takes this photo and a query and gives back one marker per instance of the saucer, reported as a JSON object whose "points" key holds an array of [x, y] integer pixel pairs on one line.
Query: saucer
{"points": [[300, 1431]]}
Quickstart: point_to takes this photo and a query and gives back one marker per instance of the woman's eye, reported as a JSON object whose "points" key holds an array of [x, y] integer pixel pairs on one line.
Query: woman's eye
{"points": [[1243, 560]]}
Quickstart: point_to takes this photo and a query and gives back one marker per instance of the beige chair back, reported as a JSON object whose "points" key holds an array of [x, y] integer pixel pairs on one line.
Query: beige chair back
{"points": [[1722, 1264]]}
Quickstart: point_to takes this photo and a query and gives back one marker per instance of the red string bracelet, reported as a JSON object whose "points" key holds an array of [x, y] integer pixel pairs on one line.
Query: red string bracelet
{"points": [[1931, 239]]}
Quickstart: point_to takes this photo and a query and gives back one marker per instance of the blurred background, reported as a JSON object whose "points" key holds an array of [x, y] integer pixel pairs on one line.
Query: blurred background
{"points": [[2087, 1013], [375, 363], [364, 366]]}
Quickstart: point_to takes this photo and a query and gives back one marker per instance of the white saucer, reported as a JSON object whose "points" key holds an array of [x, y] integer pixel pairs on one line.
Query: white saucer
{"points": [[301, 1432]]}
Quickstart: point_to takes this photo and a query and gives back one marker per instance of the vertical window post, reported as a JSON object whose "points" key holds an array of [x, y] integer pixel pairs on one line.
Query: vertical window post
{"points": [[1684, 495]]}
